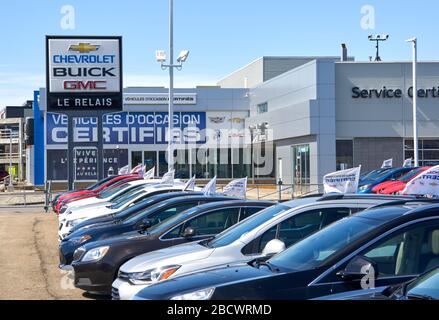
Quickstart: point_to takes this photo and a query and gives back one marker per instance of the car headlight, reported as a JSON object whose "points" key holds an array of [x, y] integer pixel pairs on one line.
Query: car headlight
{"points": [[63, 209], [204, 294], [152, 276], [80, 240], [72, 223], [364, 188], [95, 254]]}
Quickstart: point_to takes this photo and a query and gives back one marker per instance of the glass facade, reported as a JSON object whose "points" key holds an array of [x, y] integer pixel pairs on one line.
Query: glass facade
{"points": [[301, 165], [204, 163], [345, 154], [428, 151]]}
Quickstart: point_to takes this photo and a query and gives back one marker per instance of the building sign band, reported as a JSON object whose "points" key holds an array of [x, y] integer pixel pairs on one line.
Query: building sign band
{"points": [[128, 128]]}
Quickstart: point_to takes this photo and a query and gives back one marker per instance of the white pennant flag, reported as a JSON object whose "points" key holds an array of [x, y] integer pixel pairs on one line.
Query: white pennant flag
{"points": [[190, 185], [168, 178], [236, 188], [345, 181], [387, 164], [408, 163], [137, 169], [210, 188], [150, 174], [426, 184], [124, 170]]}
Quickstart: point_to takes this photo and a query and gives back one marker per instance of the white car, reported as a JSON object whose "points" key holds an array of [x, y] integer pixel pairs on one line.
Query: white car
{"points": [[264, 234], [122, 202], [105, 196], [81, 213]]}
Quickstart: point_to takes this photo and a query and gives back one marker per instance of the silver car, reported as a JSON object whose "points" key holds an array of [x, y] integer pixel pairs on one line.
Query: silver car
{"points": [[260, 236]]}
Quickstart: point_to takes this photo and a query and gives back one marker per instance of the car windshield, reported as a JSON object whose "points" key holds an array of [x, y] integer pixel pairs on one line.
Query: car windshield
{"points": [[164, 224], [99, 183], [147, 212], [426, 286], [375, 174], [409, 176], [236, 232], [312, 252], [125, 197], [112, 191]]}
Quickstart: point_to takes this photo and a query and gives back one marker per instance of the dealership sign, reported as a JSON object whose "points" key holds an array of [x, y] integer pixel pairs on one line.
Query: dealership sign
{"points": [[159, 99], [84, 73], [388, 93], [128, 128]]}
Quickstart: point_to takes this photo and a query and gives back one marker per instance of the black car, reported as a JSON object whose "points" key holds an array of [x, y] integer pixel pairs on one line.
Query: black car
{"points": [[139, 221], [383, 246], [148, 200], [425, 287], [96, 264]]}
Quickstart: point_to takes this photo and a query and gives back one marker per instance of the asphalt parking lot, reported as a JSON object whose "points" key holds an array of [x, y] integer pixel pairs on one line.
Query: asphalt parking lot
{"points": [[29, 257]]}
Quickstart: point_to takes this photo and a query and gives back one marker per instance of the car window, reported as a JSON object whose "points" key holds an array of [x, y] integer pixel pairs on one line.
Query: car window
{"points": [[413, 250], [248, 212], [214, 222], [301, 225], [163, 215]]}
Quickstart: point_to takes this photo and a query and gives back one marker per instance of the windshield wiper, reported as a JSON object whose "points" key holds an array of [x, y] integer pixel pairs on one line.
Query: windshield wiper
{"points": [[419, 297]]}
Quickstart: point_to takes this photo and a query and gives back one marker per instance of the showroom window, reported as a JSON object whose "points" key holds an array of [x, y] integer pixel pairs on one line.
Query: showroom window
{"points": [[428, 151], [263, 108], [345, 154]]}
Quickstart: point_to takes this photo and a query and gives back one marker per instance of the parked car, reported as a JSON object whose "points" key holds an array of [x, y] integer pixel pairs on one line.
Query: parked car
{"points": [[152, 198], [96, 264], [260, 236], [392, 243], [138, 222], [117, 203], [370, 181], [97, 189], [396, 186], [425, 287]]}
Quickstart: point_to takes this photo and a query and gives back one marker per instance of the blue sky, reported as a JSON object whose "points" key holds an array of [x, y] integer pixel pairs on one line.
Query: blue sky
{"points": [[222, 35]]}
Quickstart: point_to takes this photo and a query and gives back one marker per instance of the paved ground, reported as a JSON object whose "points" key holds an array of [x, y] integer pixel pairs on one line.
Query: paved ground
{"points": [[29, 257]]}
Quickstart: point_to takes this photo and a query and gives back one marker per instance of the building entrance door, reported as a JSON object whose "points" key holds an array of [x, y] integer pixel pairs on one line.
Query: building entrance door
{"points": [[301, 163]]}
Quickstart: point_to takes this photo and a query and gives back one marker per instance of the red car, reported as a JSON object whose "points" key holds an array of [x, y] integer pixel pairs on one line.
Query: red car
{"points": [[395, 186], [92, 191]]}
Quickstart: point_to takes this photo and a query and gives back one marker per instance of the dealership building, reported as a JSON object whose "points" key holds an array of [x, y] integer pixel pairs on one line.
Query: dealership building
{"points": [[313, 115]]}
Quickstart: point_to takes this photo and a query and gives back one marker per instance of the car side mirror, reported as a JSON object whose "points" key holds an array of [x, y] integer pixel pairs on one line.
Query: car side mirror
{"points": [[145, 225], [188, 233], [358, 268], [273, 247]]}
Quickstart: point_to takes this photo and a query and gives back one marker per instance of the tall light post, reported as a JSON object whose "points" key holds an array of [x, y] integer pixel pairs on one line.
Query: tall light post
{"points": [[161, 57], [414, 42]]}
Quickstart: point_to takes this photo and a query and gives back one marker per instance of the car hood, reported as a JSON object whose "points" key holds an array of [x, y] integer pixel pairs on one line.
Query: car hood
{"points": [[385, 184], [366, 182], [394, 187], [203, 279], [91, 210], [84, 201], [169, 256], [121, 239], [369, 294]]}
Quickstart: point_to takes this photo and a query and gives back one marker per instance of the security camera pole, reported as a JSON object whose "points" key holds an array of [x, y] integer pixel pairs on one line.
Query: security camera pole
{"points": [[414, 41], [378, 38], [161, 57]]}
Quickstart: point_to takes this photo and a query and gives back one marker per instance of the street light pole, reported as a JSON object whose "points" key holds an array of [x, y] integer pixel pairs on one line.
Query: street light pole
{"points": [[171, 88], [414, 42], [161, 57]]}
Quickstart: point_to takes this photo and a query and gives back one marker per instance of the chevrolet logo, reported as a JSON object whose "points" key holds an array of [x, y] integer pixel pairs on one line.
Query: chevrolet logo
{"points": [[84, 47]]}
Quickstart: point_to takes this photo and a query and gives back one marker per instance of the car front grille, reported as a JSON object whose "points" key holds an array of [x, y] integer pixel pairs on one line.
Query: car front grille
{"points": [[115, 294], [61, 225]]}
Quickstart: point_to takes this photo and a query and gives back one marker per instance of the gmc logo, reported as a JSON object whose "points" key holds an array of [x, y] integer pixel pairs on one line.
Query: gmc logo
{"points": [[85, 85]]}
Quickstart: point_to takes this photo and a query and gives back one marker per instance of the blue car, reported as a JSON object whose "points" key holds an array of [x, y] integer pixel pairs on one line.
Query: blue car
{"points": [[372, 179]]}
